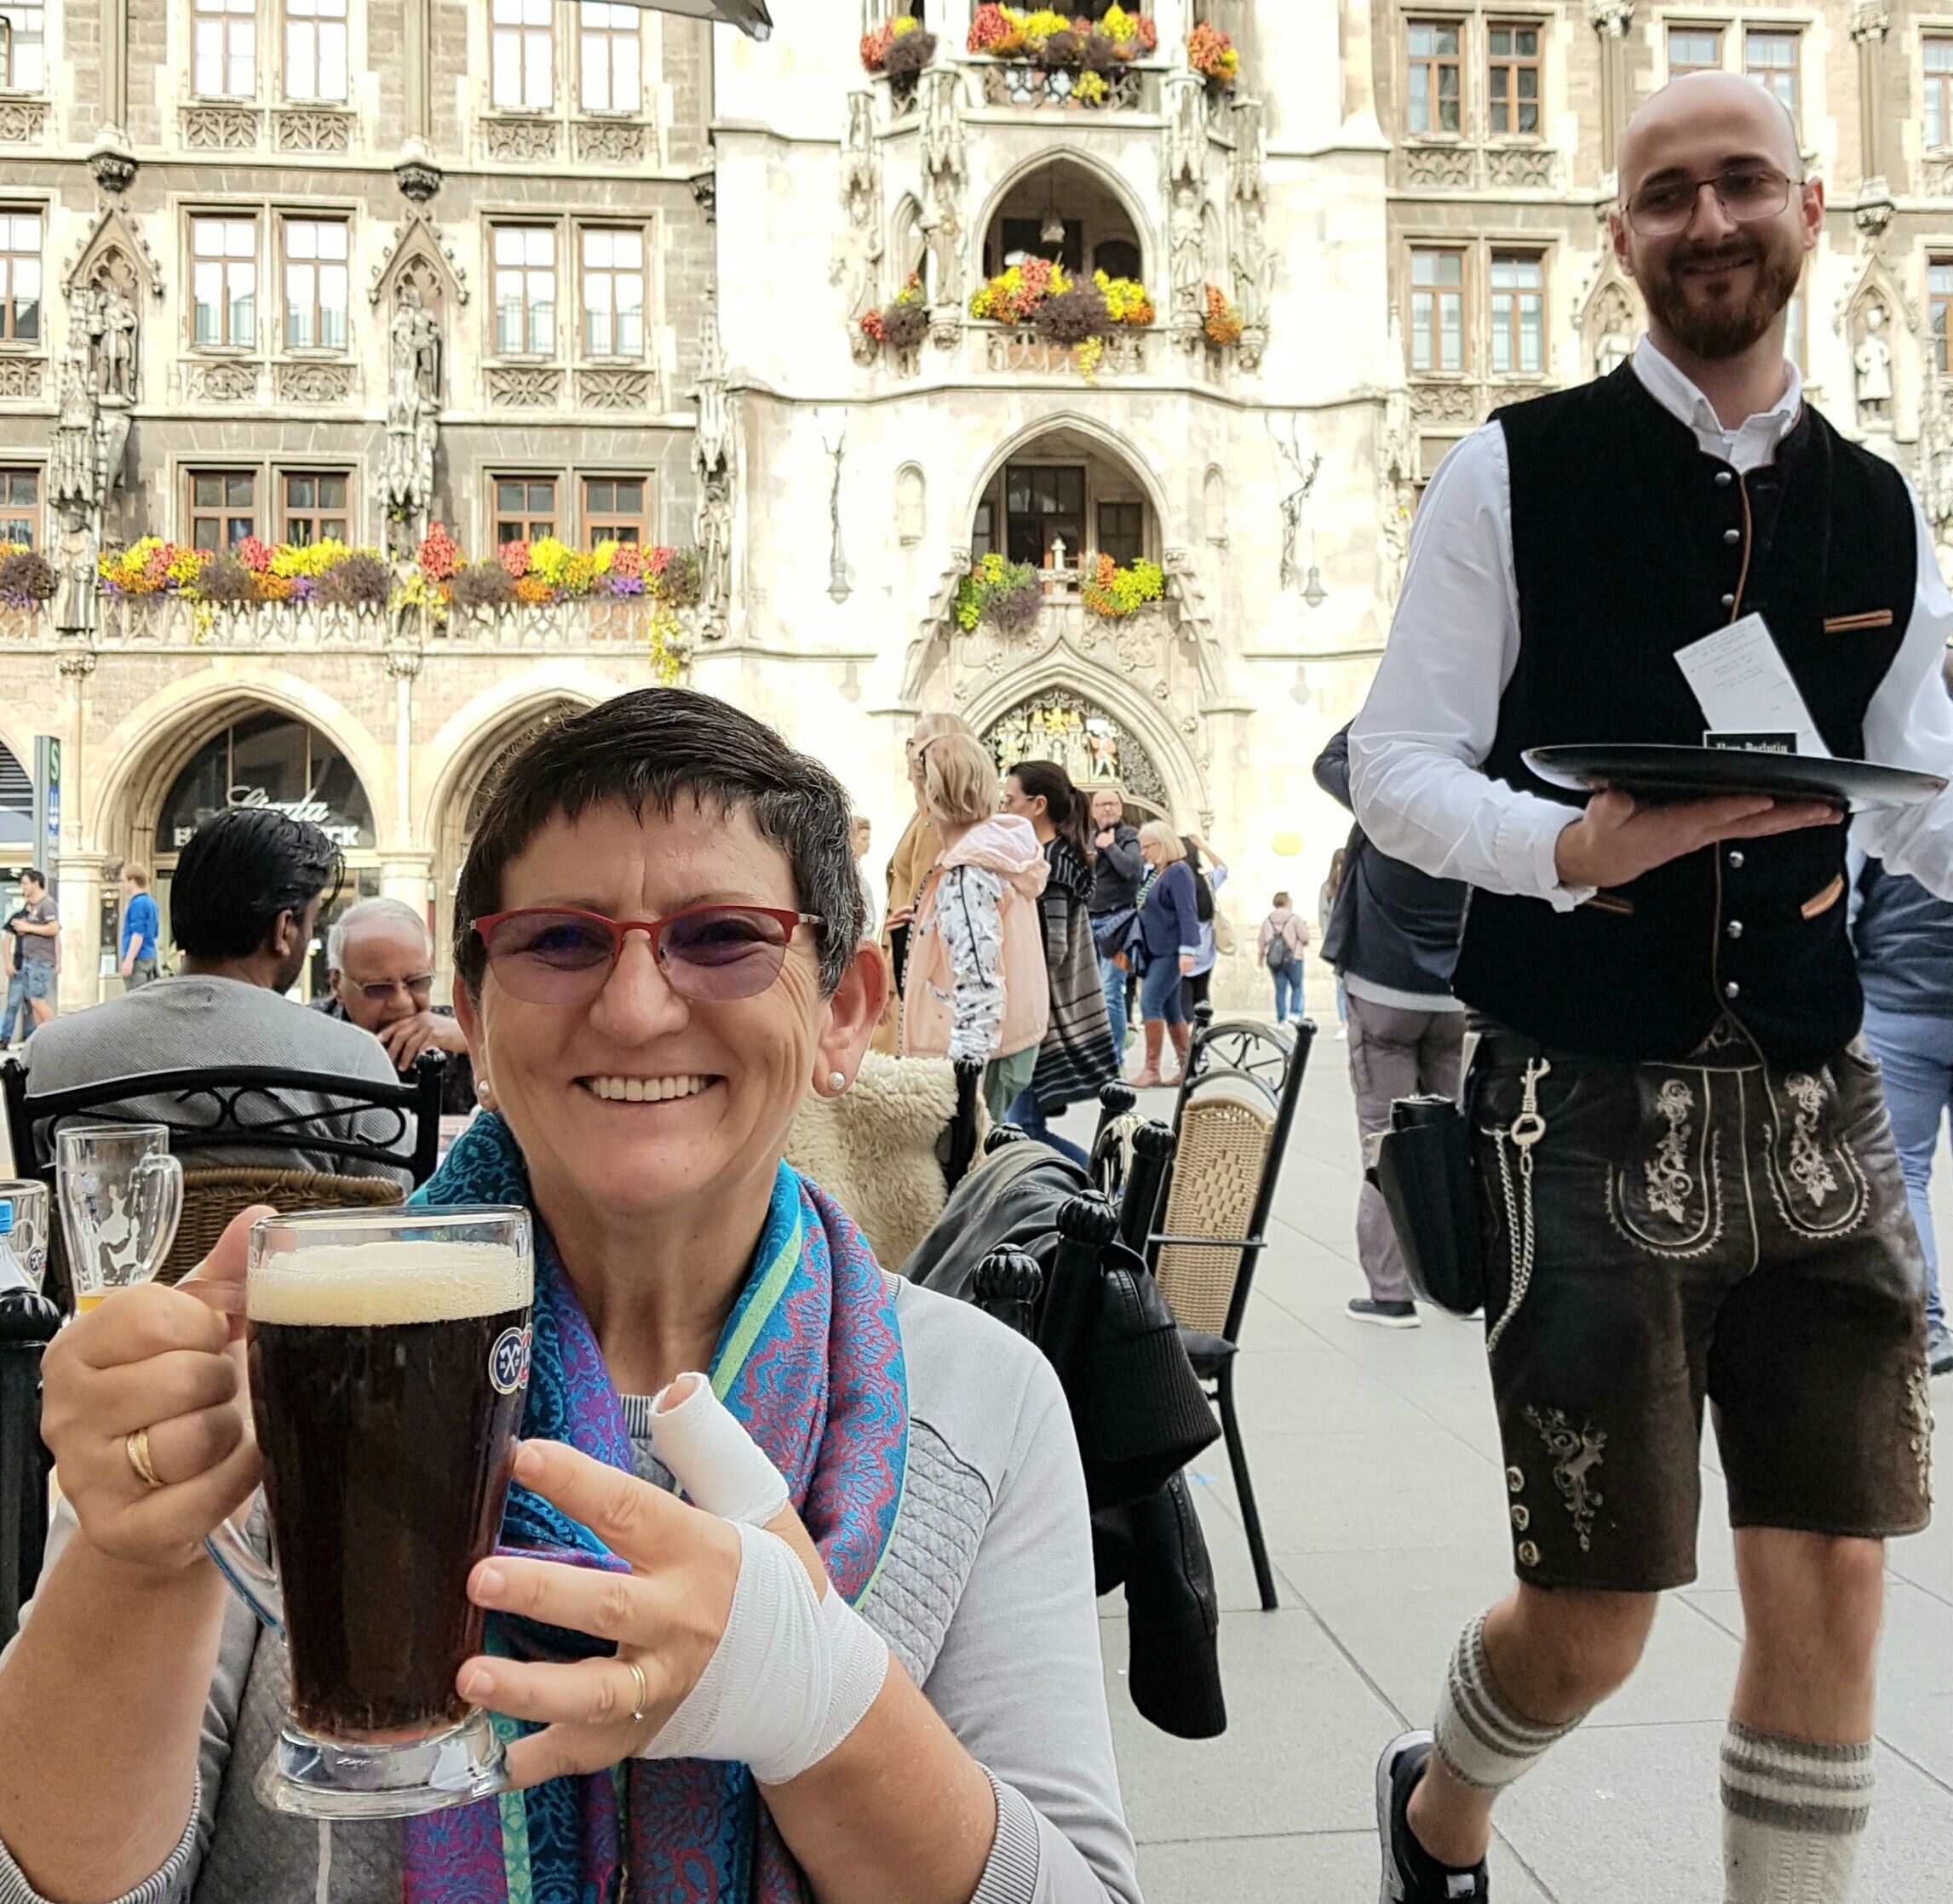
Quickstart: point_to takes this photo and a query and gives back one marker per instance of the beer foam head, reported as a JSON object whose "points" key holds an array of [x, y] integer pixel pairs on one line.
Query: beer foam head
{"points": [[366, 1285]]}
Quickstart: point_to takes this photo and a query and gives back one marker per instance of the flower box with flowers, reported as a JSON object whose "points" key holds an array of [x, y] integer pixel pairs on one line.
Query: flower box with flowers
{"points": [[898, 51], [1221, 322], [327, 571], [28, 578], [1073, 319], [1043, 56], [902, 324], [1001, 595], [1113, 593], [1213, 54]]}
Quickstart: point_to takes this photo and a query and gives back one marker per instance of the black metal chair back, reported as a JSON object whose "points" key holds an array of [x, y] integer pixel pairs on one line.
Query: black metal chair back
{"points": [[236, 1108]]}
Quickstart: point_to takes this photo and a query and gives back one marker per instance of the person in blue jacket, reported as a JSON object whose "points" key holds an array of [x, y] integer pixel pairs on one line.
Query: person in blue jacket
{"points": [[142, 929], [1904, 936], [1169, 943]]}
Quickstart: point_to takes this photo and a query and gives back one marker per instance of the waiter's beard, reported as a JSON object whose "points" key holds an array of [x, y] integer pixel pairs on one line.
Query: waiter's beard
{"points": [[1729, 327]]}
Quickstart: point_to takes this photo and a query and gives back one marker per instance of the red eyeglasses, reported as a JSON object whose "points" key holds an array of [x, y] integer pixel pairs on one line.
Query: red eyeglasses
{"points": [[558, 955]]}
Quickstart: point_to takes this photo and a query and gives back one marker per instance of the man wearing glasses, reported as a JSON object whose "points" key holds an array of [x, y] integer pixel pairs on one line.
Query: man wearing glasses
{"points": [[1682, 1141], [380, 970]]}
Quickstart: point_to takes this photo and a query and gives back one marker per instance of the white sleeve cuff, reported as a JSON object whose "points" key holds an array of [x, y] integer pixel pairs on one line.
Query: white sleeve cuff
{"points": [[1527, 838], [1010, 1872], [168, 1885]]}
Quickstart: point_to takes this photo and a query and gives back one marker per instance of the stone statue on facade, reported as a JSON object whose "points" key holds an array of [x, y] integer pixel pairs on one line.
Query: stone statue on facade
{"points": [[1186, 247], [1871, 364], [712, 464], [114, 341], [80, 548], [413, 414], [74, 465], [944, 174], [859, 247]]}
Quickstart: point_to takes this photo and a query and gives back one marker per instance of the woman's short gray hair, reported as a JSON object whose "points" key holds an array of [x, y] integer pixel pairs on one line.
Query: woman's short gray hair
{"points": [[1157, 832], [367, 912]]}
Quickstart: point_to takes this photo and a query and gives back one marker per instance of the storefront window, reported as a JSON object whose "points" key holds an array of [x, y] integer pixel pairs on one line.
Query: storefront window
{"points": [[269, 761]]}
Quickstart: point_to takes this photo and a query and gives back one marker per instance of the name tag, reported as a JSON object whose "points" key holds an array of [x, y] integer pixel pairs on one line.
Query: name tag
{"points": [[1753, 744]]}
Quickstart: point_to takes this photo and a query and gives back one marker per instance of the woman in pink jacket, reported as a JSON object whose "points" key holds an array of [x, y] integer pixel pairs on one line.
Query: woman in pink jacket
{"points": [[976, 990]]}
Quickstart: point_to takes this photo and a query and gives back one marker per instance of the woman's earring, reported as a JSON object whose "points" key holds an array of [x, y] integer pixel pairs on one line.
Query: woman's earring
{"points": [[837, 1082], [484, 1094]]}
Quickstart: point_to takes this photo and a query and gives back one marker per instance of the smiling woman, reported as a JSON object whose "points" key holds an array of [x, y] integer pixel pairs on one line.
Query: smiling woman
{"points": [[871, 1673]]}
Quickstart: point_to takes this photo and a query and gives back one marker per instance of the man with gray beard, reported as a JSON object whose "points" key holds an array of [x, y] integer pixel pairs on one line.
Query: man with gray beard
{"points": [[1674, 1114]]}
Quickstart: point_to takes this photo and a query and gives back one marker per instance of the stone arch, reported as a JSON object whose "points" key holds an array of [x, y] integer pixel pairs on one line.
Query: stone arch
{"points": [[1117, 187], [1111, 441], [150, 747], [1608, 321], [1062, 672], [908, 245], [470, 747]]}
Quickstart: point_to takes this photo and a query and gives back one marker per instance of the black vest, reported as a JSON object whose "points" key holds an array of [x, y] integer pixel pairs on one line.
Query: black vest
{"points": [[1629, 543]]}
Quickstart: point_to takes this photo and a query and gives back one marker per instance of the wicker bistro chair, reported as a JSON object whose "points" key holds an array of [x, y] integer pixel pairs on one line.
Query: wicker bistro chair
{"points": [[1231, 1125], [240, 1107]]}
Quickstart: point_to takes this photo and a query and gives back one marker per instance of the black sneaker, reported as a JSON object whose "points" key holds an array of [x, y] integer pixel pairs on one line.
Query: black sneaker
{"points": [[1410, 1874], [1385, 1315], [1938, 1349]]}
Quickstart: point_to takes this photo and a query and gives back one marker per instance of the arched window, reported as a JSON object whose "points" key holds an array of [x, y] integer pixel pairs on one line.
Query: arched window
{"points": [[1214, 506], [1067, 213]]}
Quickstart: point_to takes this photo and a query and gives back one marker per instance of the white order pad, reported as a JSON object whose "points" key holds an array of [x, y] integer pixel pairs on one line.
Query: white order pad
{"points": [[1739, 676]]}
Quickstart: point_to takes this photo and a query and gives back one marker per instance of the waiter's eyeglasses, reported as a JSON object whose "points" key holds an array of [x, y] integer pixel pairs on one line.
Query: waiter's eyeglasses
{"points": [[1746, 193], [558, 955]]}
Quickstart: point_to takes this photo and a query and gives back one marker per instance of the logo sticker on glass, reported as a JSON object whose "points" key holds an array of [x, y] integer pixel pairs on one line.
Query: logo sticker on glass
{"points": [[6, 1216], [509, 1361]]}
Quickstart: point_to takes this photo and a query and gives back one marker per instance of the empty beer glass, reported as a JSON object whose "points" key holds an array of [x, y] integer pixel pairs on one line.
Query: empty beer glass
{"points": [[120, 1192], [389, 1353]]}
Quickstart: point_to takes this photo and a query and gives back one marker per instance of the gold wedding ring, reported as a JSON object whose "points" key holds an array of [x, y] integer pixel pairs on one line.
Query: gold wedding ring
{"points": [[136, 1446], [636, 1673]]}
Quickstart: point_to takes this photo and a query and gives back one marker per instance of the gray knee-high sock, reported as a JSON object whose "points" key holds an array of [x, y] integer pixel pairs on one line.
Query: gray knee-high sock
{"points": [[1793, 1813]]}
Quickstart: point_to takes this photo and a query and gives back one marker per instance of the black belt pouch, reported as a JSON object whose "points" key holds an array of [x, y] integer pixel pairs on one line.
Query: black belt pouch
{"points": [[1429, 1182]]}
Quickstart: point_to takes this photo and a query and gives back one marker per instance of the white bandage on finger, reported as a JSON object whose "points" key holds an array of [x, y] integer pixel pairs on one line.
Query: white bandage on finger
{"points": [[791, 1678], [712, 1457]]}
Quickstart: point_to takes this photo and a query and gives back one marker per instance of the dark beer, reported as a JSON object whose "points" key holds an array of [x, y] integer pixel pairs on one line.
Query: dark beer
{"points": [[386, 1383]]}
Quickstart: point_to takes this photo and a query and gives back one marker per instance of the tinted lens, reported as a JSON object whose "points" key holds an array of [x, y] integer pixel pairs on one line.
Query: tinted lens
{"points": [[544, 957], [723, 951]]}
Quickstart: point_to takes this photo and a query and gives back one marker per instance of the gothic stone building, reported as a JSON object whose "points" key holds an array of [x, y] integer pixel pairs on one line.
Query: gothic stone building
{"points": [[225, 224]]}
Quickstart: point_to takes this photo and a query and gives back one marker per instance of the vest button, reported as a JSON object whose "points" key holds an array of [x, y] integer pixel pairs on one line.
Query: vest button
{"points": [[1732, 989], [1736, 859], [1729, 601], [1732, 536], [1723, 479], [1734, 928]]}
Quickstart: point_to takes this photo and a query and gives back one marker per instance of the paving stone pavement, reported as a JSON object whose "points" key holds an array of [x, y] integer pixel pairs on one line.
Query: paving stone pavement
{"points": [[1375, 1456]]}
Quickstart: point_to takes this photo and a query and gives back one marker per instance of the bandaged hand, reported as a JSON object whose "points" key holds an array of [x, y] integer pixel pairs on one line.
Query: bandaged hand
{"points": [[730, 1642]]}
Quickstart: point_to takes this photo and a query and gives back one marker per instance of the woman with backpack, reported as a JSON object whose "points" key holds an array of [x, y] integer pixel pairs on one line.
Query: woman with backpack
{"points": [[1284, 939], [1169, 943], [1077, 1058], [975, 991]]}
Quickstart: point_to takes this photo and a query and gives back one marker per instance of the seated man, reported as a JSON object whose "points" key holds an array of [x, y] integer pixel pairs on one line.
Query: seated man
{"points": [[243, 904], [380, 966]]}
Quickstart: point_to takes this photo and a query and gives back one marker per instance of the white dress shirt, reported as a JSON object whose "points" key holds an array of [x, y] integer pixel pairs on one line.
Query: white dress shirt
{"points": [[1417, 748]]}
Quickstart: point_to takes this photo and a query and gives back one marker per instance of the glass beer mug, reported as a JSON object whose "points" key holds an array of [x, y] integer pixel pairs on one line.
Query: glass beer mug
{"points": [[120, 1192], [388, 1352]]}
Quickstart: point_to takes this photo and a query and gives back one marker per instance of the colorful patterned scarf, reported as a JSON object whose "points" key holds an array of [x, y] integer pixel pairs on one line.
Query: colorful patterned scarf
{"points": [[810, 1361]]}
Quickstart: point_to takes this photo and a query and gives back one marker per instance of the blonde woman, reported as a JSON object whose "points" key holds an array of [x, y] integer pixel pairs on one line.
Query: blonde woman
{"points": [[1169, 943], [977, 991], [909, 866]]}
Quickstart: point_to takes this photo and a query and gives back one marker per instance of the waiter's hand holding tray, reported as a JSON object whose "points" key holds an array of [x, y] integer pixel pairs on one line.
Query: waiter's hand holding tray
{"points": [[1757, 764]]}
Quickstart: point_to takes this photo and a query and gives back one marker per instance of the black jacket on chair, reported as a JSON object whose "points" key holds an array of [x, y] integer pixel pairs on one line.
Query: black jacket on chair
{"points": [[1139, 1417]]}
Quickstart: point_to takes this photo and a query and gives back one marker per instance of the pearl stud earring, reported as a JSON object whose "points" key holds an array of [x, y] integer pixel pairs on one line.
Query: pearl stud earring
{"points": [[837, 1082]]}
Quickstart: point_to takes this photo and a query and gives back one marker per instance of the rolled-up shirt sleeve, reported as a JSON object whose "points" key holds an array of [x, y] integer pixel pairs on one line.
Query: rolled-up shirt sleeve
{"points": [[1910, 724], [1417, 750]]}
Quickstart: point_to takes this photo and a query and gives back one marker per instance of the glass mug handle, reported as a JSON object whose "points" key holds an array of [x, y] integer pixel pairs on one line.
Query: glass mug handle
{"points": [[253, 1582], [164, 1211]]}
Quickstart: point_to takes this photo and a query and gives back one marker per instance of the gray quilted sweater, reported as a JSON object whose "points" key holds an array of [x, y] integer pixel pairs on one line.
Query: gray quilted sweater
{"points": [[985, 1596]]}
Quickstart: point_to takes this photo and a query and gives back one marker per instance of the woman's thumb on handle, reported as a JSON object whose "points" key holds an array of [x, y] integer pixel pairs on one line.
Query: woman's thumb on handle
{"points": [[219, 1279]]}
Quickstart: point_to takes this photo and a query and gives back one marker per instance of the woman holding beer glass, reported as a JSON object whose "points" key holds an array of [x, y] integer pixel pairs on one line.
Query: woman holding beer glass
{"points": [[820, 1623]]}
